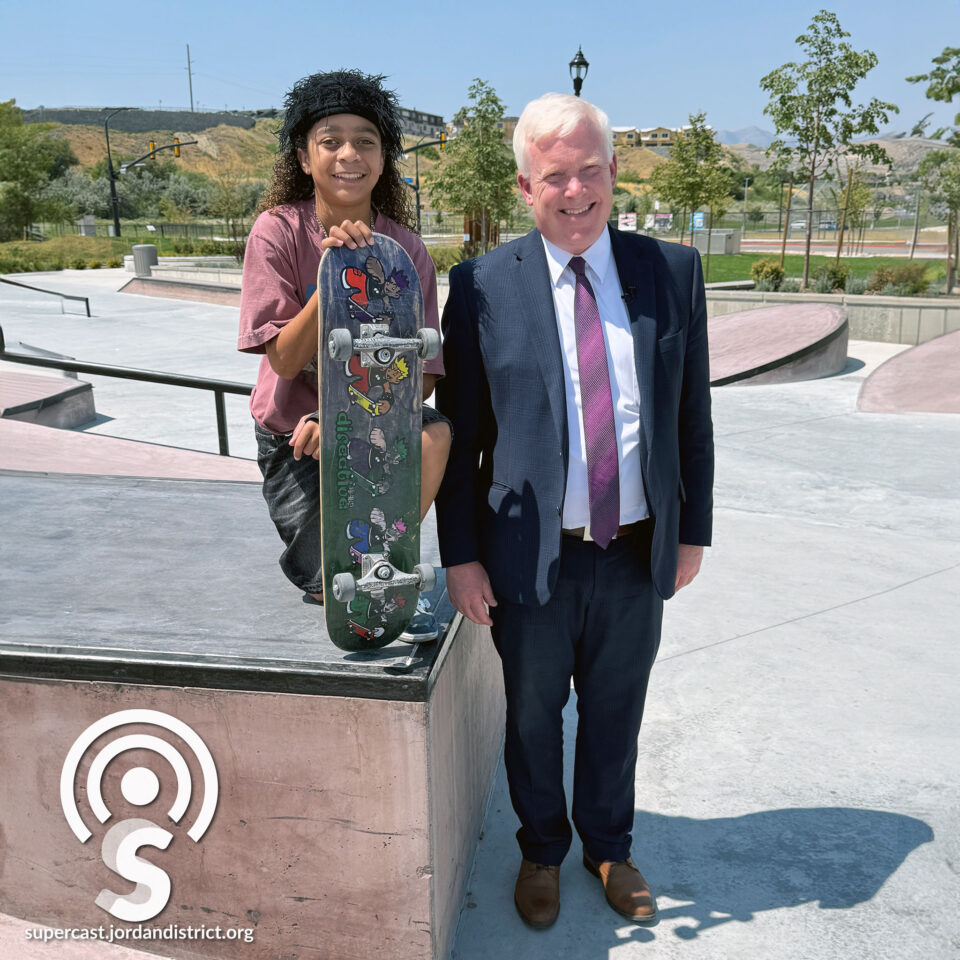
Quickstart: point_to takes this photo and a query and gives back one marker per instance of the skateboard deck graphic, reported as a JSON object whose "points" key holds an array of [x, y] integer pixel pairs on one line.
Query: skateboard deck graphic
{"points": [[369, 363]]}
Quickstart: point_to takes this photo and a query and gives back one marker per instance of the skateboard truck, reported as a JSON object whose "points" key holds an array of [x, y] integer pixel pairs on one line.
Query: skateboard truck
{"points": [[377, 348], [377, 573]]}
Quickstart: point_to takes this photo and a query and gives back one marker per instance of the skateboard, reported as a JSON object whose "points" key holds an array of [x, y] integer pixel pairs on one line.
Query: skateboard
{"points": [[371, 344]]}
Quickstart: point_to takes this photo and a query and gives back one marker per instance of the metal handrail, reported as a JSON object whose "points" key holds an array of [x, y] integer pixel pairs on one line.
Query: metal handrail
{"points": [[218, 387], [53, 293]]}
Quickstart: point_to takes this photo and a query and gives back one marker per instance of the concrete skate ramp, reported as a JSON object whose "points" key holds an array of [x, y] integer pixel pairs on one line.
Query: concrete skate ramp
{"points": [[778, 344], [29, 448], [220, 293], [924, 379]]}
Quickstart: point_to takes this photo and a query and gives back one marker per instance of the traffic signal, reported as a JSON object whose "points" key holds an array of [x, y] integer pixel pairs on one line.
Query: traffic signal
{"points": [[153, 146], [176, 146], [443, 140]]}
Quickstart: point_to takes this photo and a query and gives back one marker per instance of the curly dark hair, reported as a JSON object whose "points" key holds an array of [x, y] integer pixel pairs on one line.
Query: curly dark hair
{"points": [[322, 95]]}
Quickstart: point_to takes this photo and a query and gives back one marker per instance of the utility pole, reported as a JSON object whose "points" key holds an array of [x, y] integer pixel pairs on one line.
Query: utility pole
{"points": [[190, 77]]}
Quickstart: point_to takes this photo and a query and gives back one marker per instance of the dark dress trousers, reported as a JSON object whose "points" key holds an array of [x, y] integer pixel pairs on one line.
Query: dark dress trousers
{"points": [[566, 608]]}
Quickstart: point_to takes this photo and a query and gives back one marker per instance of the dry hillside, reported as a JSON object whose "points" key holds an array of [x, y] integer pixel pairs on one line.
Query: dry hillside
{"points": [[219, 148]]}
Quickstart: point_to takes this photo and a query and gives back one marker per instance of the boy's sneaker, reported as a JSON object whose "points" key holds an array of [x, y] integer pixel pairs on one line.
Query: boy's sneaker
{"points": [[422, 628]]}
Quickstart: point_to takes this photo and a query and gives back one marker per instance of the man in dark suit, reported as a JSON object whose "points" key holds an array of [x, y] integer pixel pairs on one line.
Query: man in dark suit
{"points": [[578, 495]]}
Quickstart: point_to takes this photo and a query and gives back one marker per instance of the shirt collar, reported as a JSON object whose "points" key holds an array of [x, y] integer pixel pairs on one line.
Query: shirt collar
{"points": [[599, 258]]}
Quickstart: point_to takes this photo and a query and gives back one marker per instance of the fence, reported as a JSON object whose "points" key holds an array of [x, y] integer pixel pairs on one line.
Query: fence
{"points": [[195, 230]]}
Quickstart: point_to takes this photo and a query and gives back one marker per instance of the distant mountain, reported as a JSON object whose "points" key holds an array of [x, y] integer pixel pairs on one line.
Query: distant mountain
{"points": [[754, 135]]}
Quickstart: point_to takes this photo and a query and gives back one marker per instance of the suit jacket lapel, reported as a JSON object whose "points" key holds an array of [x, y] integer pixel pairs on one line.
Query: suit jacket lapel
{"points": [[539, 316], [637, 282]]}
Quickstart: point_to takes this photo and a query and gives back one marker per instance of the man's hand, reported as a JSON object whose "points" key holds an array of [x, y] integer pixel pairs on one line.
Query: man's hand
{"points": [[468, 587], [688, 564], [306, 439]]}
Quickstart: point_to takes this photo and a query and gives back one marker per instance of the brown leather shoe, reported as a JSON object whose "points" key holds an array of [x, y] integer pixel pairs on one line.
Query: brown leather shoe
{"points": [[537, 894], [626, 890]]}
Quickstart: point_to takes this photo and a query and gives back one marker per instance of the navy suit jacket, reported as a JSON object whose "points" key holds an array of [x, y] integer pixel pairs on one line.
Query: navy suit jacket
{"points": [[502, 496]]}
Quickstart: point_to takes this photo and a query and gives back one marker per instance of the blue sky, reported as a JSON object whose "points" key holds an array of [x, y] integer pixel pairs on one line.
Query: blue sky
{"points": [[650, 62]]}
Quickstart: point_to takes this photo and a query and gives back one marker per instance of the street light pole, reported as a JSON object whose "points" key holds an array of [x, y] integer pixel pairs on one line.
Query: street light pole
{"points": [[746, 190], [578, 70], [114, 200]]}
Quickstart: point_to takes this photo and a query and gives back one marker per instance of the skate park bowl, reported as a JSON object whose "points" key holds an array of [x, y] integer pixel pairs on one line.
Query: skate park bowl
{"points": [[923, 379], [779, 344], [140, 583]]}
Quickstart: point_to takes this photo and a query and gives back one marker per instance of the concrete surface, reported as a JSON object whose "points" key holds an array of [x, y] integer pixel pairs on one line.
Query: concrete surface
{"points": [[799, 759], [923, 379], [799, 762], [800, 341], [172, 336]]}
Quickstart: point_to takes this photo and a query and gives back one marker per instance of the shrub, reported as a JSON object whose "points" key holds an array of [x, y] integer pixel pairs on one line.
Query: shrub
{"points": [[115, 262], [445, 257], [910, 277], [78, 263], [832, 276], [856, 285], [95, 264], [183, 248], [790, 286], [764, 285], [767, 270]]}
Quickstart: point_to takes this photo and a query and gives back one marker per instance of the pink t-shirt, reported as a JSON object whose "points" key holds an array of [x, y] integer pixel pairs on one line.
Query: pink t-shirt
{"points": [[279, 277]]}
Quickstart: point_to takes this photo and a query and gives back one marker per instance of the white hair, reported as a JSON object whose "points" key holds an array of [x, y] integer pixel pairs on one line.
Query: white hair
{"points": [[557, 114]]}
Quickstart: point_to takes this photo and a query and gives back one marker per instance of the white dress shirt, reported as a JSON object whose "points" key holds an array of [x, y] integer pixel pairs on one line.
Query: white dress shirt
{"points": [[602, 274]]}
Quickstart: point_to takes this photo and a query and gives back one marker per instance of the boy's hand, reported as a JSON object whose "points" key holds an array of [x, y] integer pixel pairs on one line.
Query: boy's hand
{"points": [[351, 234], [306, 438]]}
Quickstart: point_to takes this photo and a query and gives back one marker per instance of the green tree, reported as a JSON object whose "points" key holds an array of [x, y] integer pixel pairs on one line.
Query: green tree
{"points": [[476, 174], [688, 176], [940, 175], [943, 84], [716, 196], [811, 106], [29, 159]]}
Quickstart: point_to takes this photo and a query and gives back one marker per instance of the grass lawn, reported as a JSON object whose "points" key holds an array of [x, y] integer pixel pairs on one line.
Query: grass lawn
{"points": [[17, 256], [738, 267]]}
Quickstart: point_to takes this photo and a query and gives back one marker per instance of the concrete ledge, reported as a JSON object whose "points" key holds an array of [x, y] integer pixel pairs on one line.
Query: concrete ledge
{"points": [[47, 400], [227, 295], [910, 320], [345, 827]]}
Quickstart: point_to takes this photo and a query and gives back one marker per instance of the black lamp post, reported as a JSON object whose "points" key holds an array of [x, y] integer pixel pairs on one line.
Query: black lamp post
{"points": [[114, 200], [578, 70]]}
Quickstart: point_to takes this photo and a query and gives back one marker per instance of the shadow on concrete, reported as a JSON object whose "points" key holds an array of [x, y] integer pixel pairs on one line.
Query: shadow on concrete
{"points": [[730, 869], [851, 366]]}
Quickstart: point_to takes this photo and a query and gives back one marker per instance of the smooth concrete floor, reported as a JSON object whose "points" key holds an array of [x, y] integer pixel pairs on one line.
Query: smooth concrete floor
{"points": [[799, 762]]}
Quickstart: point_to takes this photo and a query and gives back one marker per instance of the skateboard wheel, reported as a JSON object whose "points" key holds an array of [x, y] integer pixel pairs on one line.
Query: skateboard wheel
{"points": [[429, 343], [427, 577], [344, 587], [340, 344]]}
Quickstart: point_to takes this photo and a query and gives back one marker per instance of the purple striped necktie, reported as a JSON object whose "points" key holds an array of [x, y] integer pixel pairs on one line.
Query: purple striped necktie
{"points": [[596, 400]]}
